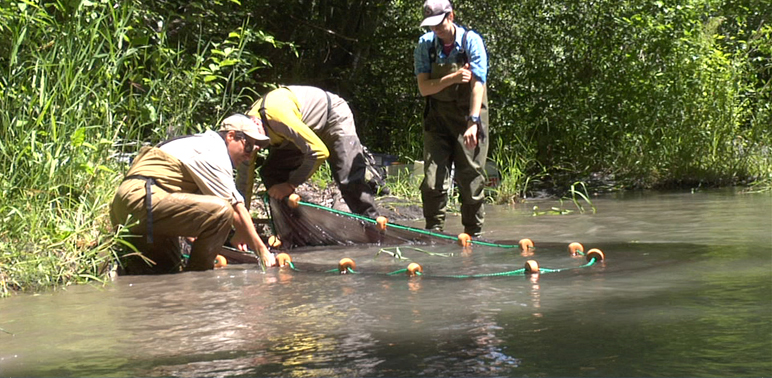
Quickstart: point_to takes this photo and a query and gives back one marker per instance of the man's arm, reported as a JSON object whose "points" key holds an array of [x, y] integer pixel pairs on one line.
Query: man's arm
{"points": [[314, 151], [428, 86], [478, 64], [246, 235], [475, 104]]}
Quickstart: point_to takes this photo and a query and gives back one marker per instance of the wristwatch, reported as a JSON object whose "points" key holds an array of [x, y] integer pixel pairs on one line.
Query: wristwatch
{"points": [[474, 119]]}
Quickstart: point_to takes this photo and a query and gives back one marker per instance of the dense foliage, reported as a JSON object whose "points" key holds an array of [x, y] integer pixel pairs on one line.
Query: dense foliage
{"points": [[649, 92]]}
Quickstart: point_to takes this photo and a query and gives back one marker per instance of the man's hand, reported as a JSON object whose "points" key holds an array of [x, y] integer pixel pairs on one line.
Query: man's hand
{"points": [[241, 243], [246, 235], [470, 136], [280, 191], [464, 75], [269, 260]]}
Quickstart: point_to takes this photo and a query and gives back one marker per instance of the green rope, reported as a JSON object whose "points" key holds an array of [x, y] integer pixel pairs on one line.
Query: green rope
{"points": [[481, 275], [400, 271], [510, 273], [487, 244], [517, 272], [367, 219]]}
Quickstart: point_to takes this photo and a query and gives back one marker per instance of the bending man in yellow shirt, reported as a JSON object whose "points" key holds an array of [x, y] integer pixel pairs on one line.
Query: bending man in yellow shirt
{"points": [[306, 127]]}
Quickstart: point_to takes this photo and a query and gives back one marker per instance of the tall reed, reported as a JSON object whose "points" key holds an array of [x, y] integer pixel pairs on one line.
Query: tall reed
{"points": [[82, 84]]}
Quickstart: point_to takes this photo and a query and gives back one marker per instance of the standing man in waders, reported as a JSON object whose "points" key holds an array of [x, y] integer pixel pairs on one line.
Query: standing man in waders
{"points": [[451, 66]]}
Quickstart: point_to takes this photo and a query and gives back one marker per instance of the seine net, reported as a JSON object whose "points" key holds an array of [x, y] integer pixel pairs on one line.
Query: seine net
{"points": [[314, 225]]}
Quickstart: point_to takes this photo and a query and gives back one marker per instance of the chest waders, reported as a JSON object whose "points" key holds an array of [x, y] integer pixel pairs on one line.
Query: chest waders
{"points": [[176, 209], [149, 182], [444, 125]]}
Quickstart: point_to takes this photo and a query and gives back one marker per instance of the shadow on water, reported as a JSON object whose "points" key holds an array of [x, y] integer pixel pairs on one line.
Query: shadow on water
{"points": [[685, 290]]}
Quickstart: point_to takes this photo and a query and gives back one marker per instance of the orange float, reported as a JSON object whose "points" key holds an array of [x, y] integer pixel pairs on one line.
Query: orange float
{"points": [[596, 254], [293, 200], [283, 259], [345, 264], [531, 267], [381, 222], [525, 244], [464, 239], [414, 269], [274, 242], [220, 261], [575, 248]]}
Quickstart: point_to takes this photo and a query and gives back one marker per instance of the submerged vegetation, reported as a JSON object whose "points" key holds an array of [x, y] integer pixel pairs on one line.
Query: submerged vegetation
{"points": [[645, 93]]}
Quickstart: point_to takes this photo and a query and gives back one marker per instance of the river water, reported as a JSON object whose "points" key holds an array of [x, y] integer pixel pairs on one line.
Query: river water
{"points": [[685, 290]]}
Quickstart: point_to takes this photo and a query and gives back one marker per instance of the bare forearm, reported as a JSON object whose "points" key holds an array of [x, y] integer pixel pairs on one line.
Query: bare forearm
{"points": [[428, 87], [475, 101], [242, 221]]}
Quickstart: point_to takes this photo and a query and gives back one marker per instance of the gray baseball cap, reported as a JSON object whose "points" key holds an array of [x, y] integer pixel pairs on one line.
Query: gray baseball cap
{"points": [[435, 11]]}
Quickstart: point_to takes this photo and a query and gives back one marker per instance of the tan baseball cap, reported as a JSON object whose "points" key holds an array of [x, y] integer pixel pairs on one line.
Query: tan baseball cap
{"points": [[251, 126]]}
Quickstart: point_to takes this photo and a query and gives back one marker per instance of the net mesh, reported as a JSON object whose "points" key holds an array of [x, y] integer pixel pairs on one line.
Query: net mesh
{"points": [[314, 225]]}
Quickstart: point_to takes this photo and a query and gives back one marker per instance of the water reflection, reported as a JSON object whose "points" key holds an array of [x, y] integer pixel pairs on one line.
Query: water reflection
{"points": [[686, 289]]}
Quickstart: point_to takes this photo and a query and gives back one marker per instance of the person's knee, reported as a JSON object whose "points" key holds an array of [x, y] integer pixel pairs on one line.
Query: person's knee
{"points": [[223, 213], [217, 214], [225, 209], [433, 190]]}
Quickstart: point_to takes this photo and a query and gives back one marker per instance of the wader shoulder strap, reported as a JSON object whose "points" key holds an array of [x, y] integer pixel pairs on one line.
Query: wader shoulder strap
{"points": [[464, 50], [173, 139], [433, 49], [149, 181], [263, 118]]}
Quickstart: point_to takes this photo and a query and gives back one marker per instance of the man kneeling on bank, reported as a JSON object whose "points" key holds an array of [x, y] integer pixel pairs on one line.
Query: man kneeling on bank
{"points": [[184, 187]]}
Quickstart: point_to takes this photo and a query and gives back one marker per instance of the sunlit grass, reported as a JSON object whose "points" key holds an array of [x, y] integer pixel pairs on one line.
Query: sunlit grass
{"points": [[78, 89], [53, 241], [512, 169]]}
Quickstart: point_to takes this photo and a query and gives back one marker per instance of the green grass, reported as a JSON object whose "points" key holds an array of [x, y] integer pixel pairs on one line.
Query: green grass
{"points": [[79, 86]]}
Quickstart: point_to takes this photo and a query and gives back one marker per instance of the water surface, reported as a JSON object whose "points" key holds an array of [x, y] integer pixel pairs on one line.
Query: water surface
{"points": [[685, 290]]}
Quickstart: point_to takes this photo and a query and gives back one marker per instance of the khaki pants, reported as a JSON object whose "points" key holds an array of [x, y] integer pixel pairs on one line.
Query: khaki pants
{"points": [[207, 218]]}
